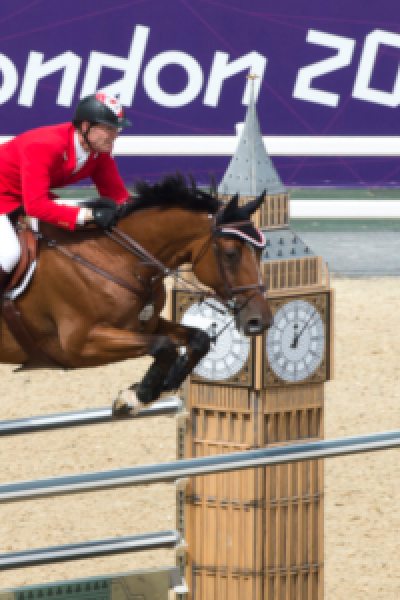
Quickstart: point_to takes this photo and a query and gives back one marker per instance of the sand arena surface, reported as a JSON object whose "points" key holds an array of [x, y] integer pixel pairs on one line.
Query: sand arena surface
{"points": [[362, 492]]}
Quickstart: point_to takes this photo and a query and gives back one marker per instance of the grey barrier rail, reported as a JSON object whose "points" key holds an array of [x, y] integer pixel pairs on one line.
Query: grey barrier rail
{"points": [[44, 556], [166, 406], [169, 472]]}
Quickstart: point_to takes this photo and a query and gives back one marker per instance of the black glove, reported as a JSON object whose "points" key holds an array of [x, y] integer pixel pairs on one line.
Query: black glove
{"points": [[105, 217], [126, 208]]}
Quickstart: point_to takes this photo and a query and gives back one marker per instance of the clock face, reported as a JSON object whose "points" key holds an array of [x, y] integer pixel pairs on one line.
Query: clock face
{"points": [[231, 350], [295, 344]]}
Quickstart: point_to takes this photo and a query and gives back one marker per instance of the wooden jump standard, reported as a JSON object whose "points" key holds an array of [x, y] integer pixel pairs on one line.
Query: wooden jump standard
{"points": [[132, 543], [173, 471], [166, 406]]}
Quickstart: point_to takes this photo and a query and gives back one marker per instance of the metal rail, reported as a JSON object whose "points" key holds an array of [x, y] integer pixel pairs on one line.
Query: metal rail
{"points": [[166, 406], [132, 543], [169, 472]]}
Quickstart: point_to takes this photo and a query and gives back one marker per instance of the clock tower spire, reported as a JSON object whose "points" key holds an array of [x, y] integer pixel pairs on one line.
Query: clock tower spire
{"points": [[251, 171]]}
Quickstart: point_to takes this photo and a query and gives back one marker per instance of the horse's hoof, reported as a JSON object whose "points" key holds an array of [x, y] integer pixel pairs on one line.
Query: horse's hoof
{"points": [[120, 408], [126, 404]]}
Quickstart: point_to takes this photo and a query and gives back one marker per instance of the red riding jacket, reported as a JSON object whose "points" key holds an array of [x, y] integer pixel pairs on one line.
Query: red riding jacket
{"points": [[36, 161]]}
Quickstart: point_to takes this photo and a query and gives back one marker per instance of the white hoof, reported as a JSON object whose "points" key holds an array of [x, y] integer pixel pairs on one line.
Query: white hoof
{"points": [[126, 404]]}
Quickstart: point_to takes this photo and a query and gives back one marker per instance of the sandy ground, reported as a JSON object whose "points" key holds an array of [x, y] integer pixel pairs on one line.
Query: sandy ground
{"points": [[362, 493]]}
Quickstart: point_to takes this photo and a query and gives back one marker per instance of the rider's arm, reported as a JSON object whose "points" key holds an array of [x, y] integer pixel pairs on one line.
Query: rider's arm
{"points": [[37, 162], [107, 179]]}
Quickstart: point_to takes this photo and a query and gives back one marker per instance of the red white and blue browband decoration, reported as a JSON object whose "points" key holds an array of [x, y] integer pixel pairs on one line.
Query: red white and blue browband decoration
{"points": [[111, 103], [258, 240]]}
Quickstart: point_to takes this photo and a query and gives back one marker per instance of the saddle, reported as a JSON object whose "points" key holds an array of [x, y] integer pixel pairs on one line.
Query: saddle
{"points": [[29, 251]]}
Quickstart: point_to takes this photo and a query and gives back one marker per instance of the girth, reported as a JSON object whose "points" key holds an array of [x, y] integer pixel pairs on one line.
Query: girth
{"points": [[37, 358]]}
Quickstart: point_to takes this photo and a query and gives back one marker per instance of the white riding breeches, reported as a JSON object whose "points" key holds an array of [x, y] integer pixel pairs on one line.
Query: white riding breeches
{"points": [[10, 250]]}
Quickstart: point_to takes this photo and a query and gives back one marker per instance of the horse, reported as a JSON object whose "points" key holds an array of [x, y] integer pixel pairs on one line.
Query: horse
{"points": [[84, 305]]}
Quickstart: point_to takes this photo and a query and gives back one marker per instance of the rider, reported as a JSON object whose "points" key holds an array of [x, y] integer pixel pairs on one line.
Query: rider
{"points": [[55, 156]]}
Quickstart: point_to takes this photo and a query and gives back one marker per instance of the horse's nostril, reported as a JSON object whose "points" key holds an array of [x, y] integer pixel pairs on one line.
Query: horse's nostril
{"points": [[254, 321], [254, 326]]}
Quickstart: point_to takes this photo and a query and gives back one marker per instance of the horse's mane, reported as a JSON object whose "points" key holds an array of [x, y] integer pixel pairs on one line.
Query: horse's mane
{"points": [[172, 191]]}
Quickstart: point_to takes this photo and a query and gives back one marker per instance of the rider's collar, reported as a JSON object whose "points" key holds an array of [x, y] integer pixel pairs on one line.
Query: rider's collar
{"points": [[80, 154]]}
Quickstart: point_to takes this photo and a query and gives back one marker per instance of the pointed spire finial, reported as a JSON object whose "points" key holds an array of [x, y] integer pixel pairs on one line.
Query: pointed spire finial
{"points": [[252, 77], [251, 170]]}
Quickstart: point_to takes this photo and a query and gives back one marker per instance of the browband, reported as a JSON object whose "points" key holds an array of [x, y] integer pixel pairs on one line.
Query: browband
{"points": [[258, 244]]}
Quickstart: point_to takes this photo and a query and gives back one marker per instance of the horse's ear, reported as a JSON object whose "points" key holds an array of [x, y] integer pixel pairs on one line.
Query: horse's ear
{"points": [[228, 213], [251, 207]]}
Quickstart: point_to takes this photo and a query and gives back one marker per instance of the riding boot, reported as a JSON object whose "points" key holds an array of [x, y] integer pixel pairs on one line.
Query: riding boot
{"points": [[4, 278]]}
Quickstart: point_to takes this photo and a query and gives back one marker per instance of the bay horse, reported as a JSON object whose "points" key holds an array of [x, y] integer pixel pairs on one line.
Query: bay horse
{"points": [[80, 317]]}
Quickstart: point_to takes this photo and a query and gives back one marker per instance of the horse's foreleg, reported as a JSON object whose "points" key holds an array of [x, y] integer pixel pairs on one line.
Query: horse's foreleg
{"points": [[197, 343], [149, 389], [107, 344], [152, 384]]}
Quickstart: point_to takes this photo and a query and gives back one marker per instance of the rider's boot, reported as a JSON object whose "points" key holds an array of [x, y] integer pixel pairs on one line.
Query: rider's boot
{"points": [[4, 278]]}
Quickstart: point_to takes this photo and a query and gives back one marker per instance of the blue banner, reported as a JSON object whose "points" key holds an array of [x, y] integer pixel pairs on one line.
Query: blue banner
{"points": [[327, 94]]}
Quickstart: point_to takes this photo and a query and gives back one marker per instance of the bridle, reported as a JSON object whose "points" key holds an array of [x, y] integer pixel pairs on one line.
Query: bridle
{"points": [[229, 298], [230, 292], [146, 291]]}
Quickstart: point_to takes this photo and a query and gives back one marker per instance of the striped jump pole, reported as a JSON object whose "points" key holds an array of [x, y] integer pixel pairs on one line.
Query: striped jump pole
{"points": [[170, 472], [94, 416]]}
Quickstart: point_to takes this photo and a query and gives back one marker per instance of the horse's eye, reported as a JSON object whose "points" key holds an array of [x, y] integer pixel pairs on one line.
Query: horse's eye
{"points": [[232, 255]]}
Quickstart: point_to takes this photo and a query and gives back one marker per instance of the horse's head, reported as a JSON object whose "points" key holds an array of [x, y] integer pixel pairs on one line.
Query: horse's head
{"points": [[229, 263]]}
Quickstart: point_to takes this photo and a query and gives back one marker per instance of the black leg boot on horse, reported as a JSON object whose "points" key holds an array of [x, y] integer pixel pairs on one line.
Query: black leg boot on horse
{"points": [[199, 345], [139, 395]]}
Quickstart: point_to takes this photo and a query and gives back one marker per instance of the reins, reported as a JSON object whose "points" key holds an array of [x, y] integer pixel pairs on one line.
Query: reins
{"points": [[147, 259], [141, 252], [89, 265]]}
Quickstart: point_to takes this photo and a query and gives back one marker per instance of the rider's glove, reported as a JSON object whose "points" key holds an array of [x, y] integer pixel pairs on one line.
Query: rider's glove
{"points": [[125, 208], [105, 217]]}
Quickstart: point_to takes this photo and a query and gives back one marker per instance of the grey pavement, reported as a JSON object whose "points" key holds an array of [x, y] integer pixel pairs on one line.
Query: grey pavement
{"points": [[357, 254]]}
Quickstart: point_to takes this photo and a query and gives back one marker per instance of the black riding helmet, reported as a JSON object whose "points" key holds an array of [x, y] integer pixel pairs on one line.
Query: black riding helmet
{"points": [[100, 108]]}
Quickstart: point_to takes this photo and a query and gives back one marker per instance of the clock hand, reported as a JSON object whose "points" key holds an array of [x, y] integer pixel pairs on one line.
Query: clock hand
{"points": [[295, 327], [213, 335], [298, 335]]}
